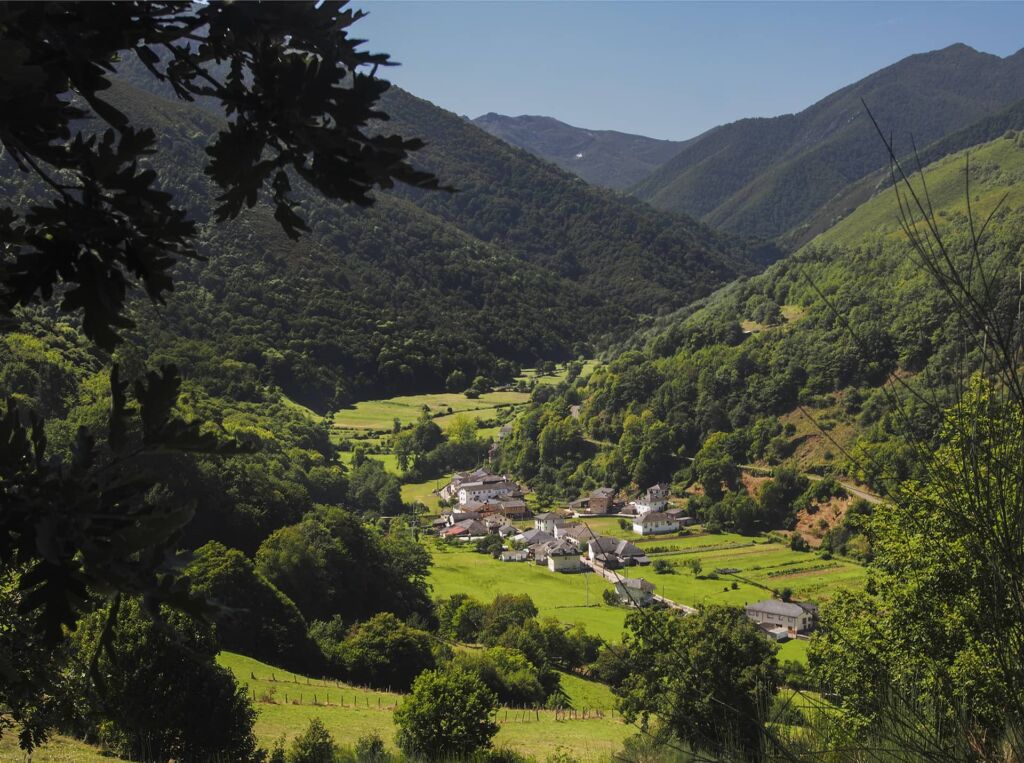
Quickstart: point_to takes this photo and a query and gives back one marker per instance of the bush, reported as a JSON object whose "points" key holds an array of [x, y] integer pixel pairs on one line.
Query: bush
{"points": [[314, 745], [797, 543], [382, 652], [370, 749], [448, 714], [663, 567]]}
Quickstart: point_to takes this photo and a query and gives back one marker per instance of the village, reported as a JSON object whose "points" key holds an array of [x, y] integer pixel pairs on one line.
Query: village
{"points": [[491, 511]]}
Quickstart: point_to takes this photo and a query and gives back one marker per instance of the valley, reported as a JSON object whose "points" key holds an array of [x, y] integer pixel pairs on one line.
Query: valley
{"points": [[339, 427]]}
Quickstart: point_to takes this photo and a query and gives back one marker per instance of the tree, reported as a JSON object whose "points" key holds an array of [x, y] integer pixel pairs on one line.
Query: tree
{"points": [[506, 672], [714, 465], [448, 714], [161, 694], [257, 619], [505, 611], [461, 617], [704, 678], [331, 564], [298, 102], [386, 653], [943, 588], [779, 494]]}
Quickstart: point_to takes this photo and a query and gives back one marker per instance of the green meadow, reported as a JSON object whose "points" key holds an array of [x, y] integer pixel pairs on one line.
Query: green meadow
{"points": [[763, 567], [570, 598], [286, 702]]}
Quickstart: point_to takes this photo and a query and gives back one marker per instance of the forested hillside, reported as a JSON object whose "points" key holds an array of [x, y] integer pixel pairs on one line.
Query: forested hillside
{"points": [[880, 181], [521, 263], [766, 176], [605, 158], [790, 364]]}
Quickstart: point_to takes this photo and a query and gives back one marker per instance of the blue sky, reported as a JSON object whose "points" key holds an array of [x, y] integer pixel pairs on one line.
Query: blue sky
{"points": [[664, 69]]}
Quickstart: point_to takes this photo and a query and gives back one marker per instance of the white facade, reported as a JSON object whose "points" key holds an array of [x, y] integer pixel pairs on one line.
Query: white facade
{"points": [[483, 491], [548, 522], [564, 563], [655, 523]]}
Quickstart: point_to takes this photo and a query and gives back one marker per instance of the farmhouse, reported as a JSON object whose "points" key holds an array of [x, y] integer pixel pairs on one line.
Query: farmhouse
{"points": [[514, 556], [479, 485], [451, 490], [465, 530], [508, 531], [772, 613], [513, 508], [655, 499], [505, 431], [636, 592], [458, 516], [612, 553], [599, 502], [654, 523], [577, 534], [487, 490], [495, 522], [534, 537], [563, 556], [548, 522]]}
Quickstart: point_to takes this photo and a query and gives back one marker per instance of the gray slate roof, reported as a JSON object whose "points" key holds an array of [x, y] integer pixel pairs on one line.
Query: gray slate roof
{"points": [[776, 607]]}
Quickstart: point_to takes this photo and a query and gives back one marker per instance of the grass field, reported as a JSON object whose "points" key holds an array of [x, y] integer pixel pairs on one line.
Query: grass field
{"points": [[460, 570], [350, 712], [379, 415], [59, 749], [763, 567]]}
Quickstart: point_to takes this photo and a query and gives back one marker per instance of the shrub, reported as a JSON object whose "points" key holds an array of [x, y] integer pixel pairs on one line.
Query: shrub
{"points": [[382, 652], [314, 745], [663, 567], [448, 714]]}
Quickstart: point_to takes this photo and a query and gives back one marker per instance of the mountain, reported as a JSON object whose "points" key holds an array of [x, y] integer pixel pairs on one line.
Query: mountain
{"points": [[764, 177], [522, 263], [789, 364], [880, 181], [605, 158]]}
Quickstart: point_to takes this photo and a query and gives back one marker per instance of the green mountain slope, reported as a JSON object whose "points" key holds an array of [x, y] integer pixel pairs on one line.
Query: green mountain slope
{"points": [[879, 181], [789, 363], [524, 263], [605, 158], [766, 176]]}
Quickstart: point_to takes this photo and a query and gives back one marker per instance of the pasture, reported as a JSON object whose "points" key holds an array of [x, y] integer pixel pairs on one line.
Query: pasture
{"points": [[763, 567], [379, 415], [349, 712]]}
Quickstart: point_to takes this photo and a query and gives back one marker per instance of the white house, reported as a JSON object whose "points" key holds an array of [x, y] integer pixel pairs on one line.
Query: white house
{"points": [[772, 613], [655, 523], [548, 522], [485, 491], [655, 499], [634, 591], [563, 556]]}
